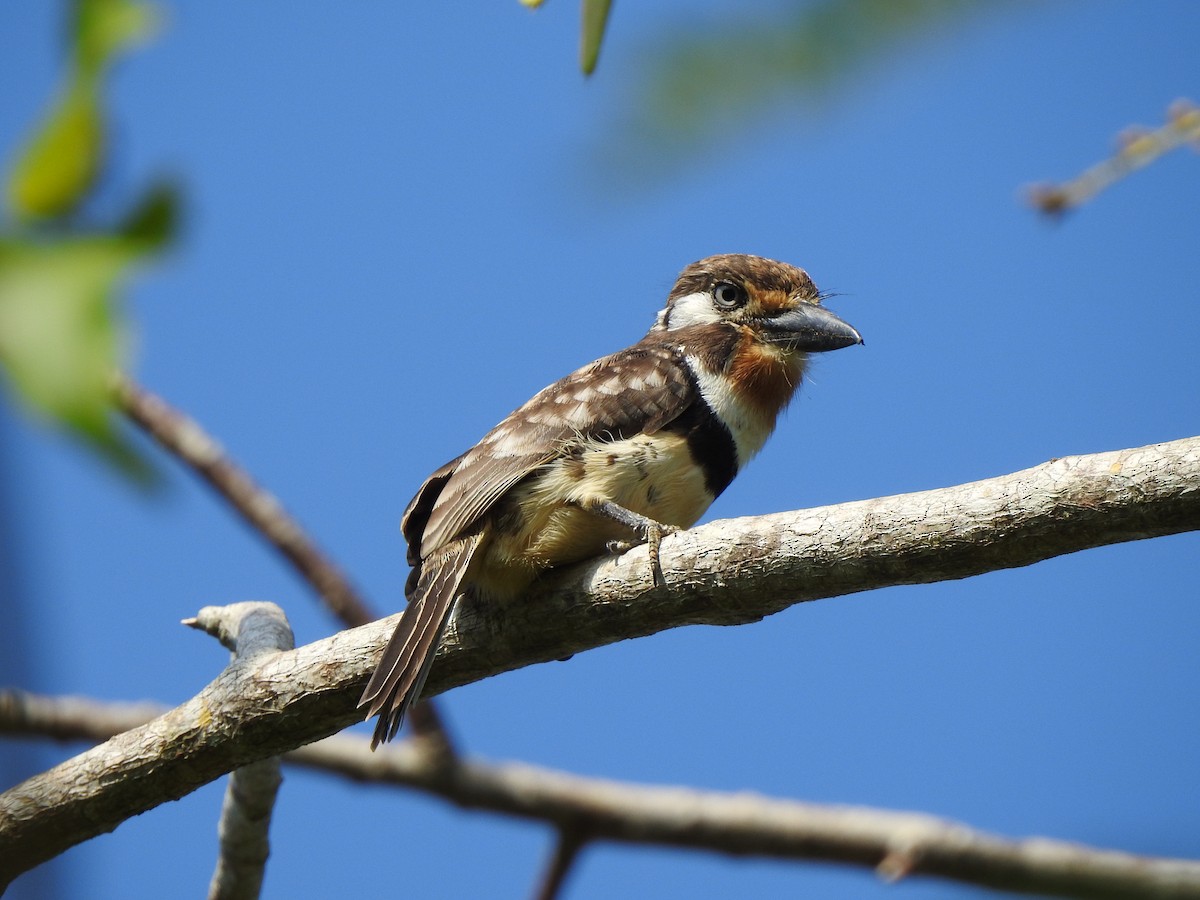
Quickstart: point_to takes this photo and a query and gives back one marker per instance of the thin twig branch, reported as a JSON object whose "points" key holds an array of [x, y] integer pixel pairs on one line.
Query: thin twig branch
{"points": [[726, 572], [183, 438], [247, 630], [569, 842], [1138, 147], [895, 844]]}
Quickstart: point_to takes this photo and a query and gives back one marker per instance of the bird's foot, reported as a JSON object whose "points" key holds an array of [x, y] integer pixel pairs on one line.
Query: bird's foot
{"points": [[649, 531]]}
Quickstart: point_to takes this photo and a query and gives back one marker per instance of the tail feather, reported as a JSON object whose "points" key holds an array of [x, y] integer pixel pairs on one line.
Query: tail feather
{"points": [[405, 664]]}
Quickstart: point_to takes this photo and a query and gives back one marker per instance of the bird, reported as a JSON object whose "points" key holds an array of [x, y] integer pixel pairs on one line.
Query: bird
{"points": [[625, 450]]}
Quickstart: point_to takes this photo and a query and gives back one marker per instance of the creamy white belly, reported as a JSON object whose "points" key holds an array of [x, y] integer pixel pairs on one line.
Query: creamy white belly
{"points": [[652, 475]]}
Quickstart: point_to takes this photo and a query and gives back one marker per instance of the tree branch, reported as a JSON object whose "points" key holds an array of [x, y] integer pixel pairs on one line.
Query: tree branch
{"points": [[726, 572], [570, 841], [183, 438], [895, 844], [247, 630], [1138, 147], [583, 809]]}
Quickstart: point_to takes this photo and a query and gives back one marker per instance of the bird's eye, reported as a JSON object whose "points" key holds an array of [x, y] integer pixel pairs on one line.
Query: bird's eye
{"points": [[728, 296]]}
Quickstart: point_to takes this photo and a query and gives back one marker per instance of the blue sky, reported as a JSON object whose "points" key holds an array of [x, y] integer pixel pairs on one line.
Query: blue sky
{"points": [[403, 219]]}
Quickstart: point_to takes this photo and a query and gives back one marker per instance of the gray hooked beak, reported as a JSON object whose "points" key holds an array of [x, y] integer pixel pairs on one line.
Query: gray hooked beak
{"points": [[810, 328]]}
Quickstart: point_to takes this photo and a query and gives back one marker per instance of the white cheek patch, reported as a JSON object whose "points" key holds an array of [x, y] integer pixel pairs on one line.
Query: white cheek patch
{"points": [[748, 426], [694, 309]]}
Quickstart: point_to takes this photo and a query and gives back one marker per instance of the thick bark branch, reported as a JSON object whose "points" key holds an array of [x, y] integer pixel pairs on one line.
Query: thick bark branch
{"points": [[183, 438], [587, 809], [726, 572], [248, 630]]}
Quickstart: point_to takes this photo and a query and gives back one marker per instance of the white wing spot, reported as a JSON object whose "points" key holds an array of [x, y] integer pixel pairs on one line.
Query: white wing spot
{"points": [[508, 442], [655, 378], [581, 415]]}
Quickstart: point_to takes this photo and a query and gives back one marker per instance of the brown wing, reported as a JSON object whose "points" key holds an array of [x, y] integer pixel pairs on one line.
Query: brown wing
{"points": [[416, 514], [638, 390]]}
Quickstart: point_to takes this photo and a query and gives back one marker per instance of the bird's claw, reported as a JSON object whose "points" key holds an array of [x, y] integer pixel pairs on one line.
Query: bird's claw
{"points": [[652, 537], [655, 532]]}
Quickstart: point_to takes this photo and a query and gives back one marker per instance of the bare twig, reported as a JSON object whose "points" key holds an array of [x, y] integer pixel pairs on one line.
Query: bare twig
{"points": [[1138, 147], [427, 726], [896, 844], [248, 630], [182, 437], [185, 439], [71, 718], [569, 842], [747, 824], [726, 572]]}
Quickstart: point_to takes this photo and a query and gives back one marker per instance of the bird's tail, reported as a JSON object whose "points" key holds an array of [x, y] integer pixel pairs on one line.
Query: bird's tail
{"points": [[405, 664]]}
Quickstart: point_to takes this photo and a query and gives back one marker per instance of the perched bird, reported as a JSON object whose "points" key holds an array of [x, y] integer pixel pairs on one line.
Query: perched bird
{"points": [[627, 449]]}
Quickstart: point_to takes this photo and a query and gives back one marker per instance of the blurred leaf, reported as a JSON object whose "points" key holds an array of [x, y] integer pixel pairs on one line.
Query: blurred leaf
{"points": [[595, 18], [155, 219], [60, 338], [60, 163], [104, 28], [705, 84]]}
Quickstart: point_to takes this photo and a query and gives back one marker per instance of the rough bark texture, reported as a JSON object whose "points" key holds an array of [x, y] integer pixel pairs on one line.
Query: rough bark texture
{"points": [[250, 631], [727, 572]]}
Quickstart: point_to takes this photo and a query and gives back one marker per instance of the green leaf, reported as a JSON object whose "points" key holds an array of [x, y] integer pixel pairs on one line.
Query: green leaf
{"points": [[154, 220], [595, 18], [105, 28], [60, 337], [60, 162]]}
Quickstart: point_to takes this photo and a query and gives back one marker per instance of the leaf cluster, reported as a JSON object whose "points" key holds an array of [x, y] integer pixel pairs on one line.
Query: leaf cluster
{"points": [[62, 330]]}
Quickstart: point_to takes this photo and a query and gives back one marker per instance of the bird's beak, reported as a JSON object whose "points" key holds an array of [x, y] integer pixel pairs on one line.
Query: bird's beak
{"points": [[810, 328]]}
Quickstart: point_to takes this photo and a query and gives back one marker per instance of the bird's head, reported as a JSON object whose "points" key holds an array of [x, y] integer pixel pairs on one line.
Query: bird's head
{"points": [[774, 302]]}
